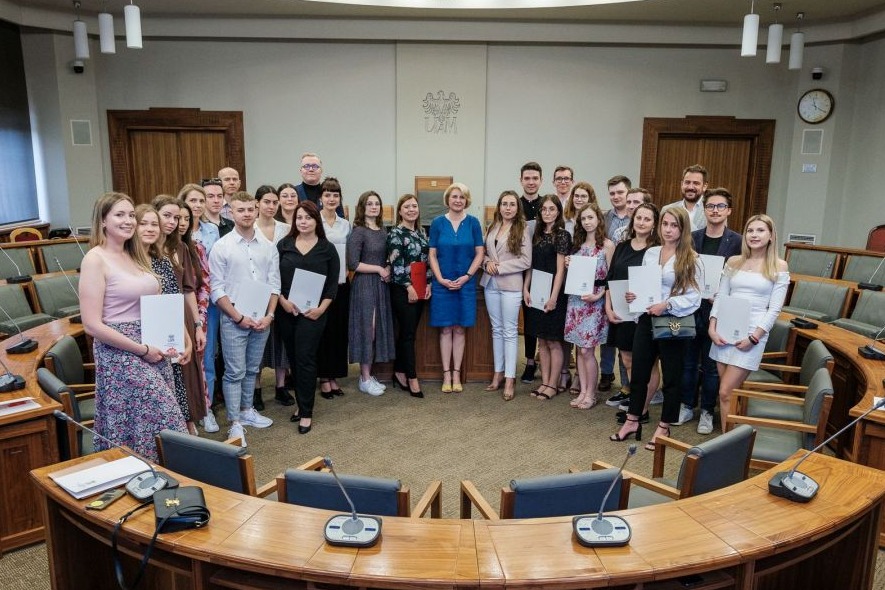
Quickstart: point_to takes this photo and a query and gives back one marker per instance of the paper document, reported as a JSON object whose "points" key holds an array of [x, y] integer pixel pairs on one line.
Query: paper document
{"points": [[307, 289], [645, 283], [581, 277], [711, 272], [93, 480], [14, 406], [733, 321], [542, 286], [342, 262], [162, 321], [252, 299], [617, 290]]}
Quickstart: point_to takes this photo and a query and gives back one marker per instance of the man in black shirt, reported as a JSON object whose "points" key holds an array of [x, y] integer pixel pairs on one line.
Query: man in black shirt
{"points": [[311, 187], [530, 176]]}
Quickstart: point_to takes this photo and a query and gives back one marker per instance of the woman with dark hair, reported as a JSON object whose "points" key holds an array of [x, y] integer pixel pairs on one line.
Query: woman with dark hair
{"points": [[550, 245], [305, 248], [133, 399], [680, 297], [455, 255], [508, 254], [268, 201], [407, 245], [370, 323], [288, 199], [332, 355]]}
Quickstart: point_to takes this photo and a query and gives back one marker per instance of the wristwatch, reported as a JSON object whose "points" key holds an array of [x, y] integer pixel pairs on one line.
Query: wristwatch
{"points": [[198, 324]]}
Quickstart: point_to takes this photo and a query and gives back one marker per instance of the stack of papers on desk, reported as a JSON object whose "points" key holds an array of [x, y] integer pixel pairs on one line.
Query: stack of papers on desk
{"points": [[99, 478], [14, 406]]}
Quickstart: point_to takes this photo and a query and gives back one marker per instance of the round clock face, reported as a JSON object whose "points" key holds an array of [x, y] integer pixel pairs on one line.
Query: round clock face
{"points": [[815, 106]]}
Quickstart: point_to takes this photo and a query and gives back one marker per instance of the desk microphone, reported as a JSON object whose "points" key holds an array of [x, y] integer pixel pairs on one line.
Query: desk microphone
{"points": [[19, 278], [795, 485], [143, 485], [10, 382], [870, 285], [74, 319], [601, 530], [350, 530], [808, 324], [870, 351], [25, 344]]}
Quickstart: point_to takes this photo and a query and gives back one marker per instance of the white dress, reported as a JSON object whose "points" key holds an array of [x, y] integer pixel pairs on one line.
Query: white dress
{"points": [[766, 299]]}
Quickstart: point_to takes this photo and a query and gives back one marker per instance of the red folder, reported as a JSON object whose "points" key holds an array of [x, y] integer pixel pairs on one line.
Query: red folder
{"points": [[418, 272]]}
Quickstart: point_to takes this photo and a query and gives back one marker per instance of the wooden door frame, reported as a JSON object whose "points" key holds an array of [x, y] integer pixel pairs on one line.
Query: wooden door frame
{"points": [[166, 119], [759, 131]]}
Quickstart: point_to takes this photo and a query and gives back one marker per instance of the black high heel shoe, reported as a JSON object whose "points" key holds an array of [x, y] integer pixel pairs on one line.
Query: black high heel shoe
{"points": [[326, 394], [638, 432], [397, 384], [650, 445]]}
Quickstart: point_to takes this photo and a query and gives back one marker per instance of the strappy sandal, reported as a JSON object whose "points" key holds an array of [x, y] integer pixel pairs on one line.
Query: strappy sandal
{"points": [[650, 445], [507, 396], [457, 387], [545, 396], [446, 387], [638, 432]]}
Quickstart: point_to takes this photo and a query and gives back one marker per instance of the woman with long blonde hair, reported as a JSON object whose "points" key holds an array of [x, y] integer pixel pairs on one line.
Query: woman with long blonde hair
{"points": [[759, 275]]}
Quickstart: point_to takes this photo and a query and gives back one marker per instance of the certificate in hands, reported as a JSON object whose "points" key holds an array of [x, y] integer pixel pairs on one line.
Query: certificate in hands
{"points": [[733, 321], [645, 283], [581, 277], [252, 299], [307, 289], [162, 321], [542, 286], [712, 272], [617, 291]]}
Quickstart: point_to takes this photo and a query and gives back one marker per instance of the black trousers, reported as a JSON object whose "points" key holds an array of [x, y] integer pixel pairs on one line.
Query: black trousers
{"points": [[332, 353], [645, 352], [530, 343], [301, 337], [407, 316]]}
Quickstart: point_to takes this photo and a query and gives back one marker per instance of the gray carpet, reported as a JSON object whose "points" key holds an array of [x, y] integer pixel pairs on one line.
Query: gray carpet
{"points": [[472, 435]]}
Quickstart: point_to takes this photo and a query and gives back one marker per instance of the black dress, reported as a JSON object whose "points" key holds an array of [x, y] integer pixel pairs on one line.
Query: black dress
{"points": [[621, 335], [549, 326]]}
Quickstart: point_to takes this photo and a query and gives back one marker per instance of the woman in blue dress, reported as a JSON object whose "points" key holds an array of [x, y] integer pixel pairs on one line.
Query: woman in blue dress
{"points": [[456, 252]]}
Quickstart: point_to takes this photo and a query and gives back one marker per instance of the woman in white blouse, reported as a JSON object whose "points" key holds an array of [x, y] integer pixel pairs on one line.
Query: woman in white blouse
{"points": [[759, 275], [680, 298]]}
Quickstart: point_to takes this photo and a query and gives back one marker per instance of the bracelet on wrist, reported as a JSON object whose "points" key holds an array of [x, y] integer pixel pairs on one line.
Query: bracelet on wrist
{"points": [[240, 321], [753, 339], [147, 350]]}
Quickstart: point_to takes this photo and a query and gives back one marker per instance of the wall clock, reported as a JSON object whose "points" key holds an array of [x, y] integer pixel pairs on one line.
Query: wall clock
{"points": [[815, 106]]}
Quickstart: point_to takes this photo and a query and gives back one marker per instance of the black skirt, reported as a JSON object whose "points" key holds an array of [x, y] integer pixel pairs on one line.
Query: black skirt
{"points": [[332, 351]]}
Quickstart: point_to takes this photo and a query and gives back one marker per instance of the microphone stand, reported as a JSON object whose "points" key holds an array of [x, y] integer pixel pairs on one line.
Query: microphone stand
{"points": [[603, 530], [24, 345], [10, 382], [870, 285], [74, 319], [869, 351], [19, 278], [350, 530]]}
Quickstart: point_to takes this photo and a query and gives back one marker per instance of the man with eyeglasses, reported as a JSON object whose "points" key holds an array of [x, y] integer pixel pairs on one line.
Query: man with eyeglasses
{"points": [[230, 184], [563, 181], [693, 187], [214, 204], [717, 240], [311, 187]]}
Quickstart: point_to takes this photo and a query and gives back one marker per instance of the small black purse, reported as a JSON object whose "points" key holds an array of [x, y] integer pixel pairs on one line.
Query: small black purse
{"points": [[181, 508], [669, 327]]}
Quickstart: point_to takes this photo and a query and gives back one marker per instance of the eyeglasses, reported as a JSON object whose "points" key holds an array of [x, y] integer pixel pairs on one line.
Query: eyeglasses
{"points": [[562, 179], [208, 181], [719, 206], [312, 167]]}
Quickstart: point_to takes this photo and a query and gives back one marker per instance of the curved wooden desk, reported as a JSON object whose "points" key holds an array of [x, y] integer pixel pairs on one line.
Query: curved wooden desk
{"points": [[738, 537]]}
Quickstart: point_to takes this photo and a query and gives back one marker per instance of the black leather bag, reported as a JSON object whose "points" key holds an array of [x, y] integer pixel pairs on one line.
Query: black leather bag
{"points": [[669, 327], [181, 508]]}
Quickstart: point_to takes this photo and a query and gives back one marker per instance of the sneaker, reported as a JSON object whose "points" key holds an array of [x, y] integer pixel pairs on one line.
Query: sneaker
{"points": [[657, 399], [251, 417], [705, 423], [237, 431], [686, 414], [605, 382], [618, 399], [528, 375], [378, 383], [208, 423], [371, 387]]}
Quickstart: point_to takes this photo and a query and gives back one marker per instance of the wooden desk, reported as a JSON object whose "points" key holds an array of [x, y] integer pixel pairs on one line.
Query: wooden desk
{"points": [[738, 537], [27, 440]]}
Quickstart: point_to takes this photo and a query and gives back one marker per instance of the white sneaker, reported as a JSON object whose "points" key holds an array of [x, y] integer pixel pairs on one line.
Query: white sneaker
{"points": [[251, 417], [685, 415], [371, 387], [657, 399], [378, 383], [705, 423], [237, 431], [208, 423]]}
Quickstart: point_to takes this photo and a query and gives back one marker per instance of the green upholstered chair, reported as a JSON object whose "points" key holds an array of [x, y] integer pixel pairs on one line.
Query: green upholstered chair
{"points": [[814, 263], [864, 269], [14, 302], [868, 316], [71, 440], [65, 360], [22, 257], [818, 301], [68, 254], [56, 296]]}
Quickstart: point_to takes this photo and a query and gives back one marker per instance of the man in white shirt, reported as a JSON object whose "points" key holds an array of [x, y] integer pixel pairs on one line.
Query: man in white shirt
{"points": [[230, 183], [241, 256], [693, 187]]}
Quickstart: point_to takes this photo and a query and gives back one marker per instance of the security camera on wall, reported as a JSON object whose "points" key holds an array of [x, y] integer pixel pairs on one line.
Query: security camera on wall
{"points": [[817, 73], [79, 66]]}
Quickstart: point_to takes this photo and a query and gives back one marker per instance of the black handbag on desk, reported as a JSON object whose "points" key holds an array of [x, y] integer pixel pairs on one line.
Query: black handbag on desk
{"points": [[669, 327], [180, 508]]}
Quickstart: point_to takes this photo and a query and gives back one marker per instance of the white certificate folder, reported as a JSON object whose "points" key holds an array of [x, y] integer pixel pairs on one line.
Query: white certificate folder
{"points": [[733, 321], [162, 321], [712, 272], [581, 278], [252, 299], [617, 290], [307, 289], [645, 283], [542, 286]]}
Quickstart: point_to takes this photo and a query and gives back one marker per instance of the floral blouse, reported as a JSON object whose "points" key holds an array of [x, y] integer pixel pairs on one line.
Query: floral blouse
{"points": [[405, 246]]}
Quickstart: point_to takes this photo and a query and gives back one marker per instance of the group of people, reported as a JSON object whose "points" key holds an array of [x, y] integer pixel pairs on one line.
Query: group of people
{"points": [[213, 243]]}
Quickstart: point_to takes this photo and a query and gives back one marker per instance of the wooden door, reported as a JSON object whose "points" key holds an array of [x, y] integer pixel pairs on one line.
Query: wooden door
{"points": [[159, 150], [735, 152]]}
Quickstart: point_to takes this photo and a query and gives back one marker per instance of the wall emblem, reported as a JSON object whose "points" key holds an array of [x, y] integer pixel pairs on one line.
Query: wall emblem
{"points": [[440, 111]]}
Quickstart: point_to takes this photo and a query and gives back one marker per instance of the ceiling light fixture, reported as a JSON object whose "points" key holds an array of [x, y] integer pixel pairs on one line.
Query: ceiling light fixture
{"points": [[775, 39], [132, 16], [751, 33], [81, 39], [797, 44], [106, 31]]}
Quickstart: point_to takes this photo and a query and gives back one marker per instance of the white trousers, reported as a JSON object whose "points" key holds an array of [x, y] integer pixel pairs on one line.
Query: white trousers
{"points": [[503, 309]]}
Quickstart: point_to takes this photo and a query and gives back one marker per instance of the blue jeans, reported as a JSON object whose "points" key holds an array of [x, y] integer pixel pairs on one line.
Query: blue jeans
{"points": [[607, 364], [243, 350], [211, 348], [698, 354]]}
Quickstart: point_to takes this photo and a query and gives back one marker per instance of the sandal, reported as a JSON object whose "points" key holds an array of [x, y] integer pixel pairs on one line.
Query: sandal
{"points": [[650, 445], [587, 403], [457, 387], [568, 381], [638, 432], [545, 396], [446, 387], [507, 395], [491, 387]]}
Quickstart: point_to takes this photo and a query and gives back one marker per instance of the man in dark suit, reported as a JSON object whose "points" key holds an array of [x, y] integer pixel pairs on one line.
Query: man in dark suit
{"points": [[717, 240], [310, 188]]}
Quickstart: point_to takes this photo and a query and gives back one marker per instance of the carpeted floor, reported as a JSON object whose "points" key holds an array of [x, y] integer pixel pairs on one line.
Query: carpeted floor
{"points": [[472, 435]]}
